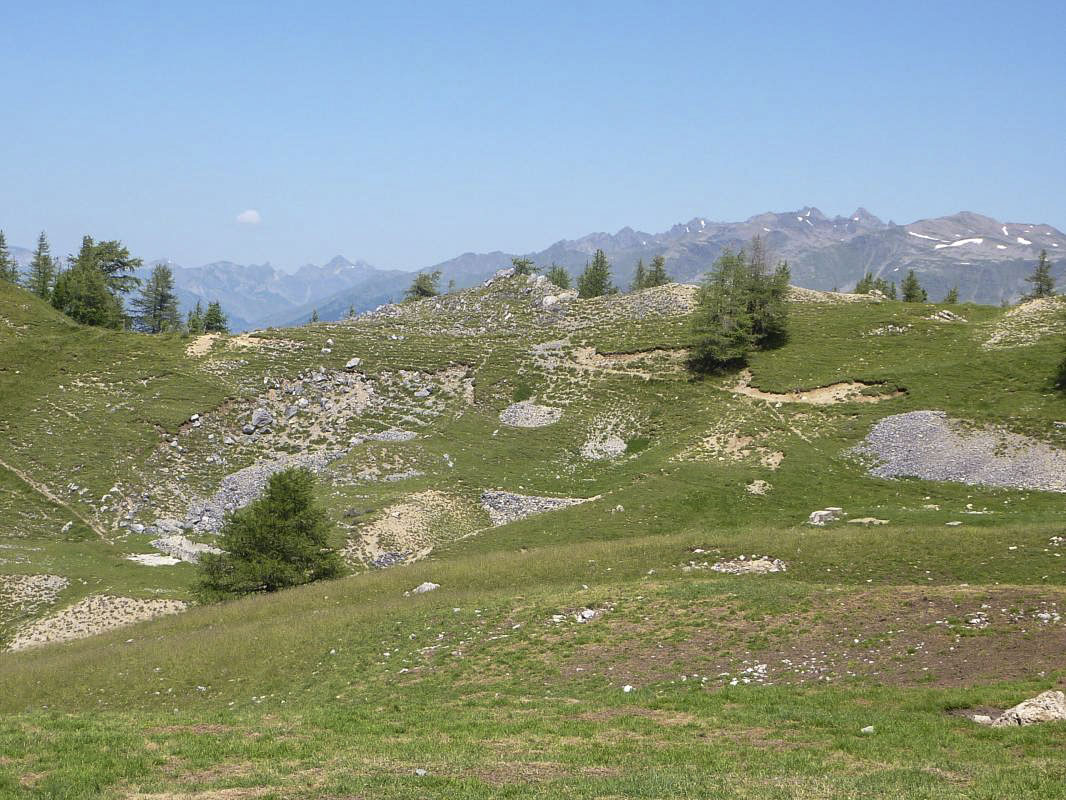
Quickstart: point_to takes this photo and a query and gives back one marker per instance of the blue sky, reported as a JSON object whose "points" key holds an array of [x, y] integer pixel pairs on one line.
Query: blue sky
{"points": [[406, 133]]}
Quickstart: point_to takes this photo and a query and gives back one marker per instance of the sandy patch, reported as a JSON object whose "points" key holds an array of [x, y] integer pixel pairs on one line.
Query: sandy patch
{"points": [[407, 531], [201, 345], [844, 392], [90, 616]]}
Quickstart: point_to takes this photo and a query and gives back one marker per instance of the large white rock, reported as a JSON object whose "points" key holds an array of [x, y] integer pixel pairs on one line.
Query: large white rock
{"points": [[422, 588], [1045, 707], [825, 515]]}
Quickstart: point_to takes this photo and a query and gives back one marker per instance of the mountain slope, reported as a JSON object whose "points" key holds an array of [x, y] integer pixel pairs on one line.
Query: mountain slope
{"points": [[574, 547]]}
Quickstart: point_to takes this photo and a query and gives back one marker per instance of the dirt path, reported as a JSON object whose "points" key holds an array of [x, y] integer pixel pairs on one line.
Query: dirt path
{"points": [[44, 491]]}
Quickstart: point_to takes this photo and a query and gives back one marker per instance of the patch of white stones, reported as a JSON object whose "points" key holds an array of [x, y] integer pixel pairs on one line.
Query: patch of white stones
{"points": [[528, 414]]}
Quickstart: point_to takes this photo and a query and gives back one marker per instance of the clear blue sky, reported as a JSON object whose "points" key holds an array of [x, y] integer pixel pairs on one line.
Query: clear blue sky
{"points": [[408, 133]]}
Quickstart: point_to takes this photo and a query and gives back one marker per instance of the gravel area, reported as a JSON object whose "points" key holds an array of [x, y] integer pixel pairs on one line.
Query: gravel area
{"points": [[931, 446], [242, 487], [505, 507], [528, 414]]}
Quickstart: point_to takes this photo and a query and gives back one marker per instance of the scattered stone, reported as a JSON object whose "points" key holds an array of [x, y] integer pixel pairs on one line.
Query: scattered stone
{"points": [[982, 719], [830, 514], [867, 730], [153, 559], [954, 523], [1045, 707], [352, 363], [603, 448], [90, 616], [181, 548], [753, 565], [262, 418], [421, 773], [66, 527], [628, 688], [422, 588], [946, 316], [867, 521], [758, 487], [505, 507], [528, 414]]}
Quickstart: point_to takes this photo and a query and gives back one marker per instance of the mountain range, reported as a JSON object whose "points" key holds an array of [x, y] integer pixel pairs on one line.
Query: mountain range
{"points": [[985, 258]]}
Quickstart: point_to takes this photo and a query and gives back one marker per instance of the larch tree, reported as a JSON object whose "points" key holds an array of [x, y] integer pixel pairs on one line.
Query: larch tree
{"points": [[559, 276], [215, 320], [912, 289], [1043, 283], [425, 284], [42, 275], [156, 309], [640, 277], [657, 274], [9, 268], [595, 281]]}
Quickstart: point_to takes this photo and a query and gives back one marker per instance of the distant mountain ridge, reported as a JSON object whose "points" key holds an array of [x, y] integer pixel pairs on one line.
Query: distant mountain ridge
{"points": [[985, 258]]}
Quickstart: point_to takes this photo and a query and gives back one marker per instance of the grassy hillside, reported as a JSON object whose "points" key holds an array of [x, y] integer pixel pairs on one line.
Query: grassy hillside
{"points": [[741, 686]]}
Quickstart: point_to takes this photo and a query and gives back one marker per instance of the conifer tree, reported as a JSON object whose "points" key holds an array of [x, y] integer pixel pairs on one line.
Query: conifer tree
{"points": [[657, 274], [194, 320], [595, 281], [42, 274], [523, 266], [425, 284], [314, 315], [1043, 283], [640, 277], [912, 289], [559, 276], [351, 312], [279, 540], [215, 321], [9, 268], [156, 309], [952, 297], [82, 293], [722, 323], [865, 284], [741, 306]]}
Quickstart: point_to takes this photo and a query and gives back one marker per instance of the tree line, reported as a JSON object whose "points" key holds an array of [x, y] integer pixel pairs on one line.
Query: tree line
{"points": [[595, 281], [92, 288]]}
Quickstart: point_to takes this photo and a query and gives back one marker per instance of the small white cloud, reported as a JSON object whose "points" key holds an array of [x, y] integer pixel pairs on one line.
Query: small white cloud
{"points": [[249, 217]]}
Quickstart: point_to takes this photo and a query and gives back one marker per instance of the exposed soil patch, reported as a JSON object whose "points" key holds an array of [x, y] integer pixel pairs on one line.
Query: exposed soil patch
{"points": [[201, 345], [942, 636], [844, 392]]}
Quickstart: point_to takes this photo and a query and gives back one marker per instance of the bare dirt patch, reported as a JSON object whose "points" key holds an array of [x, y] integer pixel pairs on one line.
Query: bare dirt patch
{"points": [[843, 392], [201, 345], [900, 636]]}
